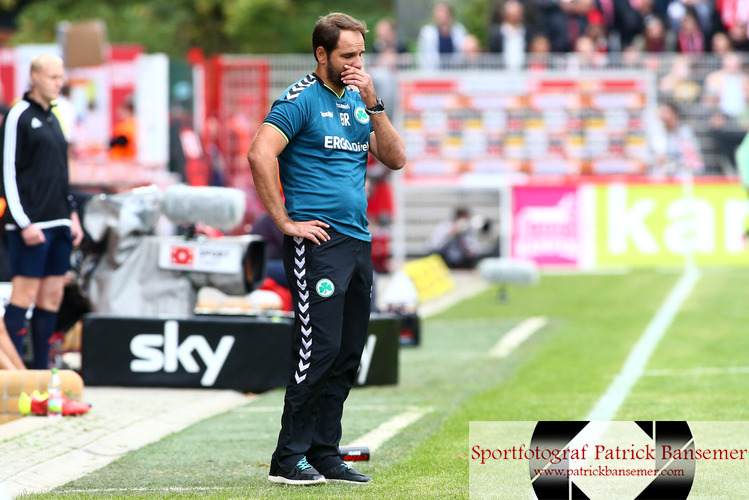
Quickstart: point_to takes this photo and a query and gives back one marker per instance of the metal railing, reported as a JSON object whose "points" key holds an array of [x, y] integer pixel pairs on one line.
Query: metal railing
{"points": [[684, 80]]}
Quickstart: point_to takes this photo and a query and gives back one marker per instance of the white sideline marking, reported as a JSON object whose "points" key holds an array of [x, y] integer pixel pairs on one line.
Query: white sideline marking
{"points": [[373, 440], [167, 489], [705, 370], [512, 339], [634, 367], [377, 436]]}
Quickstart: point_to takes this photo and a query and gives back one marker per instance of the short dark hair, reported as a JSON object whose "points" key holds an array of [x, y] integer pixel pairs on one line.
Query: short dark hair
{"points": [[461, 212], [328, 30], [673, 106]]}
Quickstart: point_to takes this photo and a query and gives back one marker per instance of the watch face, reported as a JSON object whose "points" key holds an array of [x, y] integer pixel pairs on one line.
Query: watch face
{"points": [[377, 107]]}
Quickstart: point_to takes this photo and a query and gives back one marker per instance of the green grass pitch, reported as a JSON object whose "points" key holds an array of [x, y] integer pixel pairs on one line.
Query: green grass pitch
{"points": [[558, 374]]}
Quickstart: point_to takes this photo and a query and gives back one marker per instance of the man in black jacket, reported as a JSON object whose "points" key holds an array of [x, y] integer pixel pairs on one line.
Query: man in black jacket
{"points": [[41, 222]]}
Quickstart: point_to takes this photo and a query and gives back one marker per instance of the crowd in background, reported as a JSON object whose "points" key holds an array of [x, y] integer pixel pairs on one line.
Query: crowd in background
{"points": [[516, 28], [695, 48], [685, 26]]}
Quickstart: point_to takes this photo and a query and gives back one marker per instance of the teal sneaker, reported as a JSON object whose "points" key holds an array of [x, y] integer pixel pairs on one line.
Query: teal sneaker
{"points": [[345, 474], [301, 474]]}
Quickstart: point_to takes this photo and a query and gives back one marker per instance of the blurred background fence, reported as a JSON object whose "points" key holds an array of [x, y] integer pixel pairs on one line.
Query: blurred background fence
{"points": [[701, 87], [473, 125]]}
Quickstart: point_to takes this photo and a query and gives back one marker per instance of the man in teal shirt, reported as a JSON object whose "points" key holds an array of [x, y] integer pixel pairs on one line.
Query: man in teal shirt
{"points": [[316, 138]]}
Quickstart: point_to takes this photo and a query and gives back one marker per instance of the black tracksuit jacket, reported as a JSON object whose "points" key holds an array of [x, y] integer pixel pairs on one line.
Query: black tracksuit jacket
{"points": [[34, 158]]}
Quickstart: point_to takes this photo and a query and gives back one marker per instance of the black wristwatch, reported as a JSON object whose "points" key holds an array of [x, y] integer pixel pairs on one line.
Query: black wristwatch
{"points": [[377, 108]]}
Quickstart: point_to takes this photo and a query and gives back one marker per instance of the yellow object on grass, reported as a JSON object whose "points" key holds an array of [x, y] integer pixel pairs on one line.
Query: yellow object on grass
{"points": [[431, 277]]}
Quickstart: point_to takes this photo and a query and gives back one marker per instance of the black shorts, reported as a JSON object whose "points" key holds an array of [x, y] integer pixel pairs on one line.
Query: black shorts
{"points": [[51, 258]]}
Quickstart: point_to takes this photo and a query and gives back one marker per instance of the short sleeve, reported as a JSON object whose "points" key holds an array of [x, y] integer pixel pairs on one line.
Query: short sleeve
{"points": [[287, 116]]}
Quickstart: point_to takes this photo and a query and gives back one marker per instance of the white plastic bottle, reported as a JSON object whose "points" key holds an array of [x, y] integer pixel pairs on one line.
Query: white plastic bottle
{"points": [[54, 402]]}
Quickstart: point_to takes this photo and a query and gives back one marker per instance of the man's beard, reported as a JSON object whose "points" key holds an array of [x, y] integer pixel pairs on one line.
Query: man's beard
{"points": [[334, 76]]}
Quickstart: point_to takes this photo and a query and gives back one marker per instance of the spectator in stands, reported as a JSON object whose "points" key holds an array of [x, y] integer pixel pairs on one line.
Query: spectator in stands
{"points": [[532, 17], [473, 53], [679, 84], [724, 100], [721, 43], [738, 35], [660, 7], [586, 57], [539, 52], [623, 20], [540, 45], [728, 88], [726, 134], [606, 9], [732, 13], [631, 57], [456, 241], [564, 21], [441, 39], [596, 31], [387, 48], [674, 145], [701, 10], [650, 7], [471, 57], [689, 37], [655, 38], [508, 34], [734, 17], [386, 42], [655, 63]]}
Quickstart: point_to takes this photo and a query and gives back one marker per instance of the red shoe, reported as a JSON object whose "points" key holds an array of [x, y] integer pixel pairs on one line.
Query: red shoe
{"points": [[69, 407], [39, 403]]}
